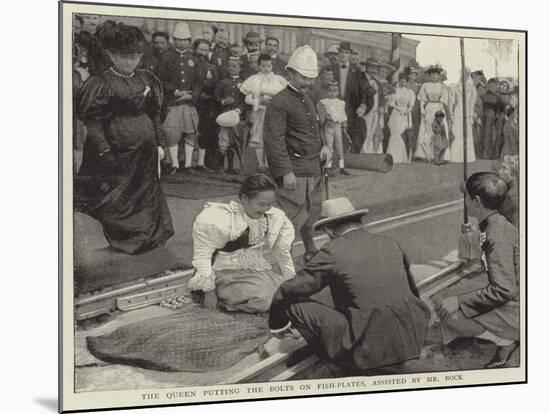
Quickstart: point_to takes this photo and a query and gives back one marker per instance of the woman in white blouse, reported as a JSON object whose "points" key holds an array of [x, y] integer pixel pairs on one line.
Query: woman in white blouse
{"points": [[233, 245], [402, 102]]}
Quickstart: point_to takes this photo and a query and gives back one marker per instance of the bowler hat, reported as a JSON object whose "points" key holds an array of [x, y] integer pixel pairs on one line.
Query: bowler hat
{"points": [[337, 209], [345, 46], [250, 36]]}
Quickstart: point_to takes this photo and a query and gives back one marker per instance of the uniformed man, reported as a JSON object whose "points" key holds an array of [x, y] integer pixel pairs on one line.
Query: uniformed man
{"points": [[180, 75], [221, 53], [229, 97], [295, 147], [492, 312], [151, 60]]}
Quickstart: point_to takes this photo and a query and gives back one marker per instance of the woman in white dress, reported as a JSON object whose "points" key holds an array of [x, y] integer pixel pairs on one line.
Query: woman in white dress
{"points": [[233, 245], [433, 97], [259, 89], [402, 102], [456, 149]]}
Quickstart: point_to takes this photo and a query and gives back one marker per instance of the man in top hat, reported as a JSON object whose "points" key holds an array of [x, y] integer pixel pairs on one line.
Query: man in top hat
{"points": [[252, 43], [295, 146], [377, 319], [374, 116], [352, 91], [180, 74], [272, 49]]}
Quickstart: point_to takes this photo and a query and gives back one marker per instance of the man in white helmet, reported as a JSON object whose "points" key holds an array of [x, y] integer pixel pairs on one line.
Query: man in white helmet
{"points": [[295, 146], [179, 71]]}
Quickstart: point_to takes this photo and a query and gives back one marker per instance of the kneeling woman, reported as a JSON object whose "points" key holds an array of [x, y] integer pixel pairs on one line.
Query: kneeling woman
{"points": [[232, 244]]}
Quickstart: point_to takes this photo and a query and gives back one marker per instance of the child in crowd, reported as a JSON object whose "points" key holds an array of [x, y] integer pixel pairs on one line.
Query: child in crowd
{"points": [[332, 115], [228, 95], [258, 90], [492, 312], [439, 139]]}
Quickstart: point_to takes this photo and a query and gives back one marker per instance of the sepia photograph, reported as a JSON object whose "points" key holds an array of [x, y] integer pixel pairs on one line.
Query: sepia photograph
{"points": [[267, 206]]}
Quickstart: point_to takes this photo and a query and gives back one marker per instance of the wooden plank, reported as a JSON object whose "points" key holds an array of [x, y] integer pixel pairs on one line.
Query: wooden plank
{"points": [[264, 365], [295, 369]]}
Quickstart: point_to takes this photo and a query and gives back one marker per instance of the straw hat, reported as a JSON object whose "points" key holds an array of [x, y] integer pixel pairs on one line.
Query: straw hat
{"points": [[372, 62], [181, 31], [333, 49], [304, 61], [386, 65], [228, 119], [337, 209], [433, 69]]}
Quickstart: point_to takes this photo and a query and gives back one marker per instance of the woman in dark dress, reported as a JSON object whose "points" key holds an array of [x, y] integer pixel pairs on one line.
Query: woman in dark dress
{"points": [[118, 183]]}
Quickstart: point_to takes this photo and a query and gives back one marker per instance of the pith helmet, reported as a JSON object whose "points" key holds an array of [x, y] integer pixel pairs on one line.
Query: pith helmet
{"points": [[181, 31], [304, 61]]}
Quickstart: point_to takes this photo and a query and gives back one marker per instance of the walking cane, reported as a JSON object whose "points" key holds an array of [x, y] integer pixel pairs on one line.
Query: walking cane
{"points": [[325, 172], [469, 241]]}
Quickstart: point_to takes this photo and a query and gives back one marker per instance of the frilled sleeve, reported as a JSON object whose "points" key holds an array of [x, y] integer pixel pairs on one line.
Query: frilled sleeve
{"points": [[210, 233], [422, 95], [93, 106], [280, 83], [154, 105], [282, 248], [251, 90]]}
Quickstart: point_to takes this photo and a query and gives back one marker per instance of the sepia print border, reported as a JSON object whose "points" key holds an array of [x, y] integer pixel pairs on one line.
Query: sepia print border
{"points": [[69, 400]]}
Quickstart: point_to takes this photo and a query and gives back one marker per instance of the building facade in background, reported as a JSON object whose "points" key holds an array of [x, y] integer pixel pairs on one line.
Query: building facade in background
{"points": [[366, 44]]}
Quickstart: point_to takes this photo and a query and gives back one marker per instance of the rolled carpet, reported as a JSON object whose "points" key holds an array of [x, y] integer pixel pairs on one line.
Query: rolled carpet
{"points": [[192, 340], [371, 162]]}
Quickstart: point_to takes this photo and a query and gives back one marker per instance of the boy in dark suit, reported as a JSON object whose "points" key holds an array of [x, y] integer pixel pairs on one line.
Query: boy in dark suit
{"points": [[378, 318], [492, 312]]}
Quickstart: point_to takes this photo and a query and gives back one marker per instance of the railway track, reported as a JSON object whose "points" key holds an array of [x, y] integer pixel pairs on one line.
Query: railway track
{"points": [[279, 366], [153, 290]]}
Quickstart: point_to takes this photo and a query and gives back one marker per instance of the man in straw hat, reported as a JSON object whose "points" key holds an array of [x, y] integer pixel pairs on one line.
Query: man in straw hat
{"points": [[375, 109], [179, 71], [252, 42], [377, 318], [295, 146]]}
